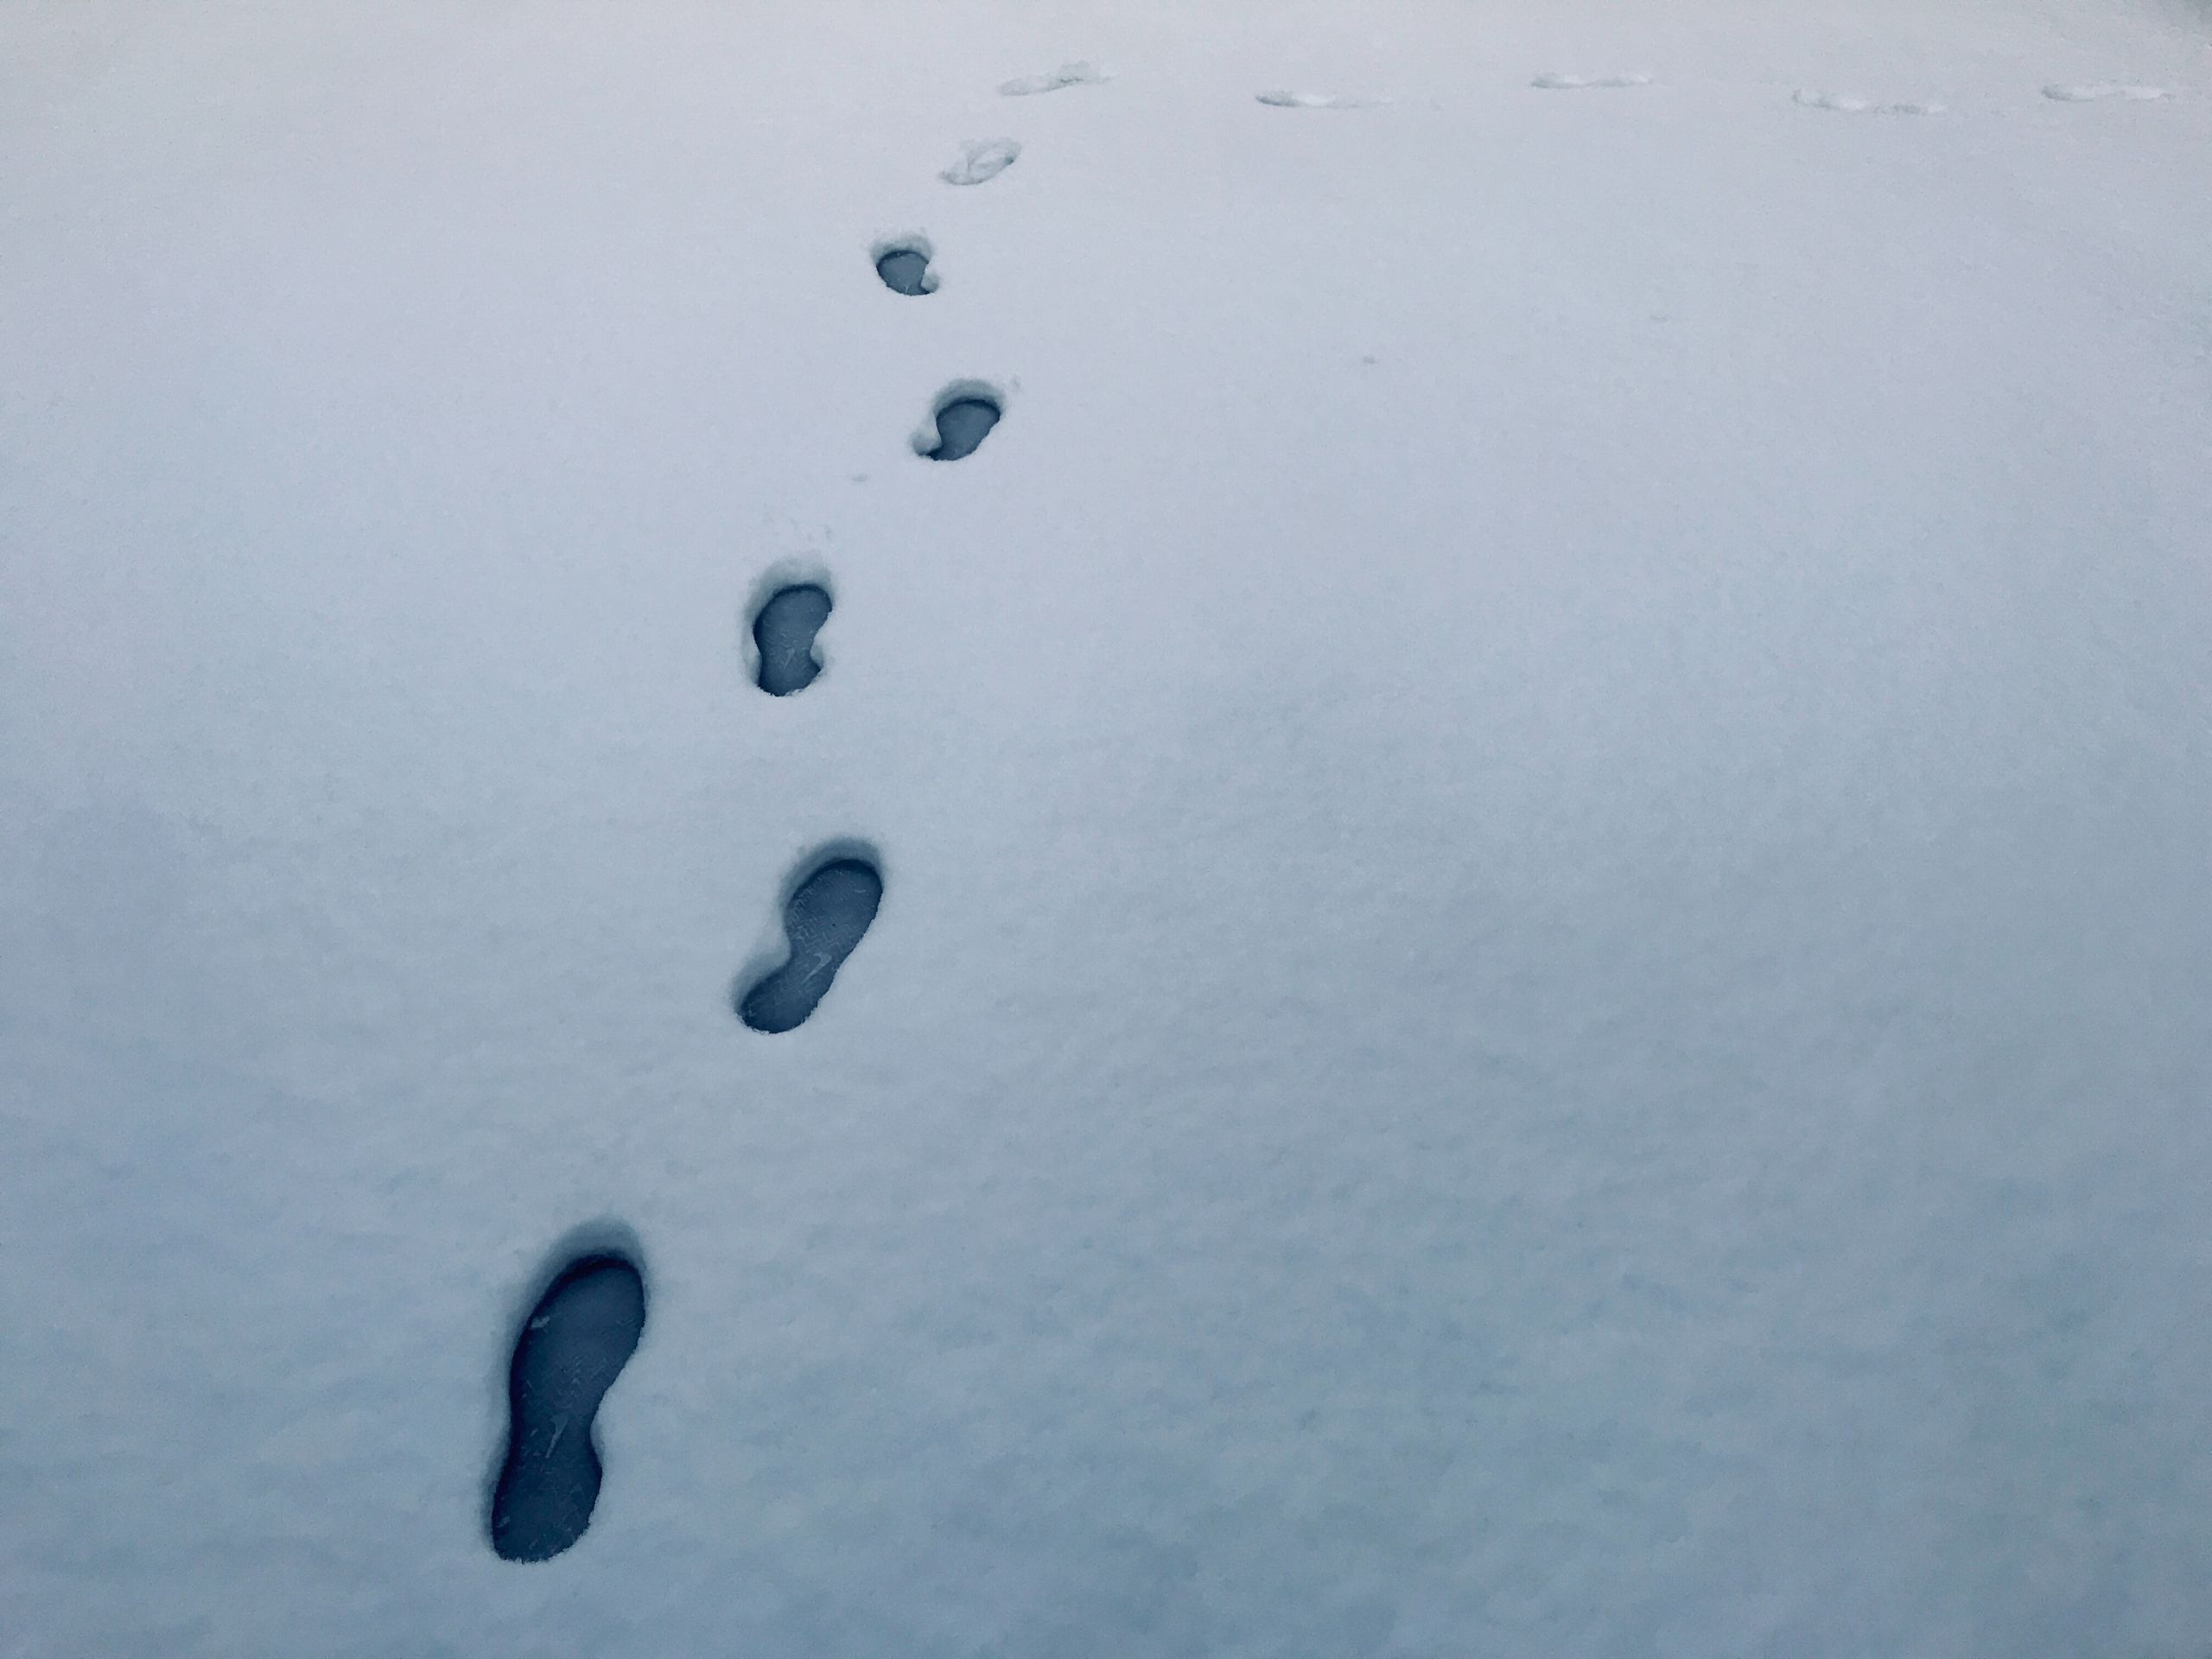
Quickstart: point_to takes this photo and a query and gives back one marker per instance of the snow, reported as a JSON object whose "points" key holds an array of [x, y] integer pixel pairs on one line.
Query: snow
{"points": [[1553, 81], [1293, 100], [1078, 73], [1851, 103], [2102, 89], [982, 159], [1541, 983]]}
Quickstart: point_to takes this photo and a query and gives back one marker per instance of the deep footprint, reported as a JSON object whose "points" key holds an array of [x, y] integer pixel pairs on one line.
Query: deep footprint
{"points": [[572, 1347], [785, 631], [963, 424], [906, 271], [824, 920]]}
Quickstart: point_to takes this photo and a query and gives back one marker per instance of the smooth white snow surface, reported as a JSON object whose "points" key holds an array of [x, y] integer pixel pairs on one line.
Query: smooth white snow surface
{"points": [[1542, 980]]}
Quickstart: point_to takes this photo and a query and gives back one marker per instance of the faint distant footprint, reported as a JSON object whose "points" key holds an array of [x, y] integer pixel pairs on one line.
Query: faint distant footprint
{"points": [[1289, 100], [784, 632], [982, 159], [568, 1353], [904, 264], [1552, 83], [2093, 90], [1068, 74], [1851, 103], [825, 919], [959, 421]]}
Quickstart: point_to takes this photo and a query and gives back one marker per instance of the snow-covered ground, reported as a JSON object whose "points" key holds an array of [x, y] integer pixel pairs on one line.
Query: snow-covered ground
{"points": [[1544, 979]]}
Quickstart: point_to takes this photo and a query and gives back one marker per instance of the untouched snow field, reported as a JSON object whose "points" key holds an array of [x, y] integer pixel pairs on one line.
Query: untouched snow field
{"points": [[1543, 981]]}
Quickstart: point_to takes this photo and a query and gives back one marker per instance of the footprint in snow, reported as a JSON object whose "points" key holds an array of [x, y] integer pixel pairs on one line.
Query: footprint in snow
{"points": [[568, 1354], [825, 915], [1287, 100], [982, 159], [1068, 74], [1850, 103], [1579, 83], [783, 630], [959, 421], [2092, 92], [904, 264]]}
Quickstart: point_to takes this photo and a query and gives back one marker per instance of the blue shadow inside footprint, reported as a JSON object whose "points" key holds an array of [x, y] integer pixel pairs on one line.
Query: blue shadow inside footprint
{"points": [[572, 1346], [963, 424], [906, 271], [785, 631], [824, 920]]}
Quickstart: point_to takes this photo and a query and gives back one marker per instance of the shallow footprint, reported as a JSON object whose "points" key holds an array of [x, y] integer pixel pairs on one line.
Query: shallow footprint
{"points": [[1557, 83], [983, 159], [1068, 74], [962, 419], [571, 1349], [824, 920], [1284, 99], [1851, 104], [2096, 91], [785, 631]]}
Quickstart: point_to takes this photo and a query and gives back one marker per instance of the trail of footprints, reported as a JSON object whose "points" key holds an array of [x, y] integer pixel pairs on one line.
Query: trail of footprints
{"points": [[581, 1334]]}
